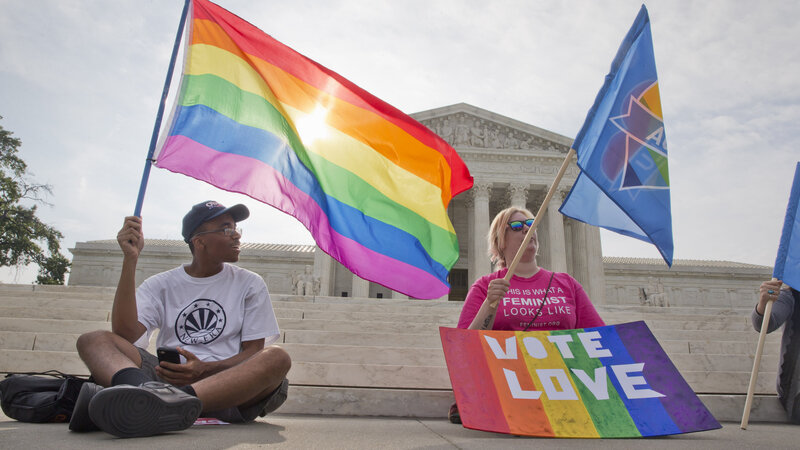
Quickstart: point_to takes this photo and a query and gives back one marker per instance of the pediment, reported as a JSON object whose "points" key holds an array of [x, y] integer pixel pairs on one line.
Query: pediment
{"points": [[465, 126]]}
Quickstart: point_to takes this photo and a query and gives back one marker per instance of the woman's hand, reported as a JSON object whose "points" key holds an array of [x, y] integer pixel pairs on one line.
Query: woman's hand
{"points": [[496, 291], [768, 291]]}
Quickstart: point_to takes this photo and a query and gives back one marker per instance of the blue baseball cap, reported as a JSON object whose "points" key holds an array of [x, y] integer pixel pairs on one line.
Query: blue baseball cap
{"points": [[205, 211]]}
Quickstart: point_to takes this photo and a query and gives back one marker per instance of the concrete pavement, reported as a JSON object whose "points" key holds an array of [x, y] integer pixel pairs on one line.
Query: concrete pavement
{"points": [[331, 432]]}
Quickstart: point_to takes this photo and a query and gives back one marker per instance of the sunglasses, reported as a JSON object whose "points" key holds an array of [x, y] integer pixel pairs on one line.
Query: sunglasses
{"points": [[227, 231], [516, 225]]}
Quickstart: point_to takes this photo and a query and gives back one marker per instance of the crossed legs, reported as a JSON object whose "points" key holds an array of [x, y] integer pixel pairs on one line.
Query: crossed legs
{"points": [[106, 353]]}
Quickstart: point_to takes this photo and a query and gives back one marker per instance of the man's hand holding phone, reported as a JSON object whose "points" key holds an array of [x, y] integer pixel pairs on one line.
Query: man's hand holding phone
{"points": [[176, 373]]}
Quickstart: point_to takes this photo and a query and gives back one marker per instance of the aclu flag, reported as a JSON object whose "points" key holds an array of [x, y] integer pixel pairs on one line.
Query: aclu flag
{"points": [[787, 264], [623, 185]]}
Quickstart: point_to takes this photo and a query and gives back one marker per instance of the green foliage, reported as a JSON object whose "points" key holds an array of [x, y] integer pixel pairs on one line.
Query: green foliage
{"points": [[21, 232], [53, 269]]}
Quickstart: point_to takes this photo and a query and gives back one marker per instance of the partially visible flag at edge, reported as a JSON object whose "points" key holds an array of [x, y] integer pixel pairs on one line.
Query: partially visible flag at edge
{"points": [[787, 263], [623, 185], [371, 184]]}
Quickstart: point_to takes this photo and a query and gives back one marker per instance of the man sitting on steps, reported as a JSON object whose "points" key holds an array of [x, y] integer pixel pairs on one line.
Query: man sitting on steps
{"points": [[219, 317]]}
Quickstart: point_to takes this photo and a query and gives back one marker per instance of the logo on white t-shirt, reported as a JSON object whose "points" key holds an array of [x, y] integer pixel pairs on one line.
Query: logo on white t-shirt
{"points": [[200, 323]]}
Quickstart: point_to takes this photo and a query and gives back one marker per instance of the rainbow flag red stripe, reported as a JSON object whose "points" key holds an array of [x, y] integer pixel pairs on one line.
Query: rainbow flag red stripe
{"points": [[371, 184]]}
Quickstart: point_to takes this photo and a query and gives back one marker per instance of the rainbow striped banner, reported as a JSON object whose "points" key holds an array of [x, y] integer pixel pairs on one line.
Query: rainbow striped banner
{"points": [[605, 382], [371, 184]]}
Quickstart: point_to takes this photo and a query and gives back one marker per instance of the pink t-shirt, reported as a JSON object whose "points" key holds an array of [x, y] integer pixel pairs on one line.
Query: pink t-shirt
{"points": [[567, 306]]}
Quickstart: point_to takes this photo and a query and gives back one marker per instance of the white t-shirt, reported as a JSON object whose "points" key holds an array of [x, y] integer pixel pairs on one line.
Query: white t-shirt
{"points": [[209, 317]]}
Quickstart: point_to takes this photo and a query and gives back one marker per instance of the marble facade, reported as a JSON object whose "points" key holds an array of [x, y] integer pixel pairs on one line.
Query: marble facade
{"points": [[512, 163], [628, 281]]}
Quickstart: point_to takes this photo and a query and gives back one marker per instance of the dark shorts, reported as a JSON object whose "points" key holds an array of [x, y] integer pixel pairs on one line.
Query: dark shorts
{"points": [[236, 414]]}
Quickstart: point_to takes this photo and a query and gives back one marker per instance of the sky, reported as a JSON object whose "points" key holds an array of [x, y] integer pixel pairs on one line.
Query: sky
{"points": [[81, 80]]}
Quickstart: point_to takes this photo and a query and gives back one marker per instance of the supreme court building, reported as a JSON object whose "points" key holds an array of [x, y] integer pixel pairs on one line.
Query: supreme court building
{"points": [[513, 164]]}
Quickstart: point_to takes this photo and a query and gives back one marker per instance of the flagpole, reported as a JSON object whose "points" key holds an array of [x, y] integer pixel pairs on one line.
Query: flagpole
{"points": [[762, 336], [529, 235], [154, 138]]}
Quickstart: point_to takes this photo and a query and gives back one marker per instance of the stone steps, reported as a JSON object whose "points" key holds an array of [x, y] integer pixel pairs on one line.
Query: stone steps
{"points": [[55, 294], [383, 356], [425, 334], [351, 401], [56, 290], [52, 325], [60, 313], [386, 355], [395, 376], [79, 310]]}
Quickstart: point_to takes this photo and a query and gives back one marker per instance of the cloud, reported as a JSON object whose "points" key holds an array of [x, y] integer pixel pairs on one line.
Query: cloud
{"points": [[80, 83]]}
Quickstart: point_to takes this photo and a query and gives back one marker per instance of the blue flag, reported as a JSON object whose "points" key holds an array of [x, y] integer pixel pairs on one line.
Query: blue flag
{"points": [[623, 185], [787, 264]]}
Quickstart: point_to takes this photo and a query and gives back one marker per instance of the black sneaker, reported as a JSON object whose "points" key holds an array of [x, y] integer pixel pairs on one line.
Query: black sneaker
{"points": [[80, 420], [146, 410]]}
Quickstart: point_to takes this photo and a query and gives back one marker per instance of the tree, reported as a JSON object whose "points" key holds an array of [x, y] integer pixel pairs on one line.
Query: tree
{"points": [[53, 269], [21, 232]]}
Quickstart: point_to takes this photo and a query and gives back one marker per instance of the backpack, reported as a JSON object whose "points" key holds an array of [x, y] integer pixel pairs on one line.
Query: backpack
{"points": [[40, 397]]}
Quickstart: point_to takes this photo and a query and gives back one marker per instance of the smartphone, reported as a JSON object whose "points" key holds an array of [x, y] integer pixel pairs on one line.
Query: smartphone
{"points": [[168, 354]]}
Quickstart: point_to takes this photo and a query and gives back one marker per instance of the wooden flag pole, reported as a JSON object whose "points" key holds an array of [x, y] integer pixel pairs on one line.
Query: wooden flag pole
{"points": [[529, 235], [762, 336]]}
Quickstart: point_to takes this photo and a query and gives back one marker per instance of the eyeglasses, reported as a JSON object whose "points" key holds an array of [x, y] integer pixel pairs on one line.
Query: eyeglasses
{"points": [[516, 225], [227, 231]]}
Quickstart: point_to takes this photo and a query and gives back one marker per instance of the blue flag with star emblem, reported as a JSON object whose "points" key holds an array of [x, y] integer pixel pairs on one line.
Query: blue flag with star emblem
{"points": [[623, 185]]}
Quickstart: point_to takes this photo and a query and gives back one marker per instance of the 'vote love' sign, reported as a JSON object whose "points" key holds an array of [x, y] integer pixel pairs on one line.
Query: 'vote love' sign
{"points": [[613, 381]]}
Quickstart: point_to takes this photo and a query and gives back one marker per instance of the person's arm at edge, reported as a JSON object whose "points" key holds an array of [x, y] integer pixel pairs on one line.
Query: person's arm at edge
{"points": [[124, 315], [781, 309]]}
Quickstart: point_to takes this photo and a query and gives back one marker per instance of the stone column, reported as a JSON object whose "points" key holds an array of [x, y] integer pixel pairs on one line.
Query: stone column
{"points": [[580, 267], [555, 238], [323, 268], [594, 263], [543, 231], [481, 192], [469, 207], [360, 287], [518, 195], [568, 244]]}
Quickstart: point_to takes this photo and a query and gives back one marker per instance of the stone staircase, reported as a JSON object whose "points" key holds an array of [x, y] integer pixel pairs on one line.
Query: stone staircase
{"points": [[383, 357]]}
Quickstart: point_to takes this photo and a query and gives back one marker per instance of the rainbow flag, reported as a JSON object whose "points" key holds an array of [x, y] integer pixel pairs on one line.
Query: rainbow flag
{"points": [[604, 382], [371, 184]]}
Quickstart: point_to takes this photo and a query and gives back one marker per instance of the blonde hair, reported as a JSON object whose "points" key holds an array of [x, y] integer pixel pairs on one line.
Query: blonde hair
{"points": [[497, 234]]}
